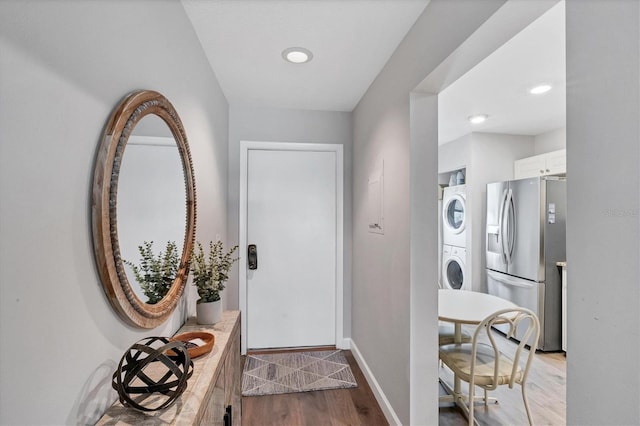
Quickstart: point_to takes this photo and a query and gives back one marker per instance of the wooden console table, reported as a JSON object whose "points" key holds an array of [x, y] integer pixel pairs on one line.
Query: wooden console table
{"points": [[213, 395]]}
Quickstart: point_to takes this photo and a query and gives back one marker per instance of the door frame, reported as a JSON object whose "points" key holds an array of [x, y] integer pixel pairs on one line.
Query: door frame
{"points": [[245, 147]]}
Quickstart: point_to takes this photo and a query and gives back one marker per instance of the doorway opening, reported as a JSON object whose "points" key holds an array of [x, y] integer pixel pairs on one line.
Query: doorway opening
{"points": [[482, 154]]}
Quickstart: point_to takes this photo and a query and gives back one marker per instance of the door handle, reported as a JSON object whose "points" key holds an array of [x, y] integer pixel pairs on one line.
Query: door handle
{"points": [[252, 256], [228, 416]]}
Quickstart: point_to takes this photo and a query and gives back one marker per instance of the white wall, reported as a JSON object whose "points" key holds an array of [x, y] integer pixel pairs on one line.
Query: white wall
{"points": [[382, 302], [491, 160], [64, 66], [603, 226], [454, 155], [552, 140], [285, 125]]}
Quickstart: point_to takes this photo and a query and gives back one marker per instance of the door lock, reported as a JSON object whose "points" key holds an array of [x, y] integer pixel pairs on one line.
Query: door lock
{"points": [[252, 256]]}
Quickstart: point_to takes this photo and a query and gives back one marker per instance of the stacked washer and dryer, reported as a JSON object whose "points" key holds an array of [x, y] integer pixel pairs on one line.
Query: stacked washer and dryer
{"points": [[454, 238]]}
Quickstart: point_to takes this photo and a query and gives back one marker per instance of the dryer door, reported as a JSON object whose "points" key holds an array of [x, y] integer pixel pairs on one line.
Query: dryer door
{"points": [[453, 214], [453, 274]]}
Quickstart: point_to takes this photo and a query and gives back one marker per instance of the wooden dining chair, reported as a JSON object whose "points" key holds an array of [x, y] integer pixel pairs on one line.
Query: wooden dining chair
{"points": [[447, 336], [482, 364]]}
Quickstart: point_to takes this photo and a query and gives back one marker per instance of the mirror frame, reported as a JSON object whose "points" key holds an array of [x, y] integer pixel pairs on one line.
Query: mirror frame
{"points": [[106, 246]]}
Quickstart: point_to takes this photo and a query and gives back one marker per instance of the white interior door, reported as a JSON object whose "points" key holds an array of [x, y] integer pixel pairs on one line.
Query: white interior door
{"points": [[293, 204]]}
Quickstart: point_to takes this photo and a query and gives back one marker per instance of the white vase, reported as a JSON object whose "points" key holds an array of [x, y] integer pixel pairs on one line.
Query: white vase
{"points": [[209, 313]]}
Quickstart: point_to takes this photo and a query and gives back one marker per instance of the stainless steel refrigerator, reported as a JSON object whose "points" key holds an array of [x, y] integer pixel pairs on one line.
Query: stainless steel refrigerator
{"points": [[525, 237]]}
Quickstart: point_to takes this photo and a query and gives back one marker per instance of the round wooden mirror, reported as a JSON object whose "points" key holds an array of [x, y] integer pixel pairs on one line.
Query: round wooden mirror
{"points": [[161, 123]]}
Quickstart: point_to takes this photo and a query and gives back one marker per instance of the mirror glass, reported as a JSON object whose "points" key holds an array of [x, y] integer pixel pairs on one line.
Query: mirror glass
{"points": [[151, 195], [143, 194]]}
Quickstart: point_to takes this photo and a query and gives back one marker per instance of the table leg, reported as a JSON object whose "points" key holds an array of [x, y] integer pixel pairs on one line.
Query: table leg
{"points": [[457, 338]]}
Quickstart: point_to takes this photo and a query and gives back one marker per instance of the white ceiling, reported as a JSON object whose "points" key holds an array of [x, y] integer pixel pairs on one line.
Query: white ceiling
{"points": [[351, 41], [498, 86]]}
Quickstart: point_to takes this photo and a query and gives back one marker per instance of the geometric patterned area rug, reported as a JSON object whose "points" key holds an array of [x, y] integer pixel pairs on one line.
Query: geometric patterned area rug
{"points": [[275, 373]]}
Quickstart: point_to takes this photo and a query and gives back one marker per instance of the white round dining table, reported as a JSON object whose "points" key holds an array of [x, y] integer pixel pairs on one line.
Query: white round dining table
{"points": [[468, 307]]}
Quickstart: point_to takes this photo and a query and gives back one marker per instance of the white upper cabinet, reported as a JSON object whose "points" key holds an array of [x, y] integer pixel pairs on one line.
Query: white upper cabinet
{"points": [[551, 163], [556, 162]]}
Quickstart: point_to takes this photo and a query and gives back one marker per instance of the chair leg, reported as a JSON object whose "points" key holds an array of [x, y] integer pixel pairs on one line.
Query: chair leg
{"points": [[471, 404], [526, 405], [486, 397]]}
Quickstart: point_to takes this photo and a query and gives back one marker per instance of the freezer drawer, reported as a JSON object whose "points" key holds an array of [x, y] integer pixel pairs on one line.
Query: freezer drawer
{"points": [[525, 293]]}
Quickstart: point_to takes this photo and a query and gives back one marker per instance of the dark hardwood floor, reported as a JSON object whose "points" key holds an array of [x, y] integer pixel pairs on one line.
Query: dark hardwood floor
{"points": [[355, 406]]}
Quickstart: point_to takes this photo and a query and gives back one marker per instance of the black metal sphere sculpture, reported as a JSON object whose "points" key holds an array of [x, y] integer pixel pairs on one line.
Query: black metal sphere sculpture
{"points": [[152, 374]]}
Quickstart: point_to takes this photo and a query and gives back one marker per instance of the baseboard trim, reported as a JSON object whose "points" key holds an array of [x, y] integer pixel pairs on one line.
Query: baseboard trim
{"points": [[344, 344], [388, 411]]}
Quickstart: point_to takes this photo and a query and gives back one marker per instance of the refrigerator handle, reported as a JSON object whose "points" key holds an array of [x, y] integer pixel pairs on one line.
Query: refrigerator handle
{"points": [[511, 225], [503, 279], [501, 226]]}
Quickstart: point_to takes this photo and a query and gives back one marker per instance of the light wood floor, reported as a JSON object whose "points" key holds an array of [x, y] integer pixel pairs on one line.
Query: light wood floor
{"points": [[546, 391], [355, 406]]}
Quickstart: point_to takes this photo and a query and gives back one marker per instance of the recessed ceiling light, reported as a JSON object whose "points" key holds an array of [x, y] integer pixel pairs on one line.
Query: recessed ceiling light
{"points": [[540, 89], [297, 55], [478, 118]]}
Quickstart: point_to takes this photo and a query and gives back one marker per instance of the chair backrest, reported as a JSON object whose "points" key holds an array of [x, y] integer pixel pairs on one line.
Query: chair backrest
{"points": [[515, 318]]}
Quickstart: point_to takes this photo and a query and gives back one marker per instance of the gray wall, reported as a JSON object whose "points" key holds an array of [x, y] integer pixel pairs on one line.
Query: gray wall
{"points": [[64, 66], [285, 125], [603, 229], [381, 309]]}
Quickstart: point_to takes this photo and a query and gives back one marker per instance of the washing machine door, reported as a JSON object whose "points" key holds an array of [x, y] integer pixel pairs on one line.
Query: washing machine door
{"points": [[453, 274], [453, 214]]}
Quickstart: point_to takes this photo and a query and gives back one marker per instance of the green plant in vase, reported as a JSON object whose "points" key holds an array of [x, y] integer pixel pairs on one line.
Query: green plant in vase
{"points": [[210, 271], [155, 274]]}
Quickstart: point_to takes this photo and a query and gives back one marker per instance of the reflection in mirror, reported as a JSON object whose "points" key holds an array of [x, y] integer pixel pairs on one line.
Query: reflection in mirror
{"points": [[151, 195]]}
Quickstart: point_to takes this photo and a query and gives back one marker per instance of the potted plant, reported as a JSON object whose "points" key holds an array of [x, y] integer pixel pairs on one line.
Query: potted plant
{"points": [[210, 272], [156, 274]]}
